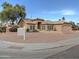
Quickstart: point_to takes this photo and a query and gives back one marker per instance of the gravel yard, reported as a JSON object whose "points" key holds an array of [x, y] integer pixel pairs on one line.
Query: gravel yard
{"points": [[37, 37]]}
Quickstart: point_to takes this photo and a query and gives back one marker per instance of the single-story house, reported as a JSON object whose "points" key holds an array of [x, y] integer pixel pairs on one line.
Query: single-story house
{"points": [[42, 25]]}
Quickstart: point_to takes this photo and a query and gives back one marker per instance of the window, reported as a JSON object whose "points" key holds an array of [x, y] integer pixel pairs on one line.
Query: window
{"points": [[43, 27], [50, 27], [32, 27]]}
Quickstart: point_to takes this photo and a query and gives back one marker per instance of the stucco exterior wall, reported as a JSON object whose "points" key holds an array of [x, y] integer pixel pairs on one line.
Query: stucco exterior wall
{"points": [[62, 27], [67, 28], [57, 28]]}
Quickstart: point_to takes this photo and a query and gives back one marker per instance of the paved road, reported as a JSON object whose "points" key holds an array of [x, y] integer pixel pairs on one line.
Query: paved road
{"points": [[71, 53], [37, 54], [15, 52]]}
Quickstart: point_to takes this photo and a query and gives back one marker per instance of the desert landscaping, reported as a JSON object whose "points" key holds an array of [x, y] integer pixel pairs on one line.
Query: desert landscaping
{"points": [[38, 30], [38, 37]]}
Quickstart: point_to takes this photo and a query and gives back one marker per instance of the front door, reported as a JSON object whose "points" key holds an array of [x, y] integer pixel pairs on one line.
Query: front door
{"points": [[39, 25]]}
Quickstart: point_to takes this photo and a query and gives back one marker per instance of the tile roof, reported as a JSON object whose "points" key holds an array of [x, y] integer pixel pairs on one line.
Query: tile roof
{"points": [[30, 21]]}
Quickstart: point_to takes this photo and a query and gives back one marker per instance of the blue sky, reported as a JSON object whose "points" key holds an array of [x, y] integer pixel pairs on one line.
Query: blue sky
{"points": [[49, 9]]}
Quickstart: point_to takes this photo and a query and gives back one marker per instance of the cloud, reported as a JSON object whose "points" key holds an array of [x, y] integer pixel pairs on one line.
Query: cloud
{"points": [[68, 12], [61, 12]]}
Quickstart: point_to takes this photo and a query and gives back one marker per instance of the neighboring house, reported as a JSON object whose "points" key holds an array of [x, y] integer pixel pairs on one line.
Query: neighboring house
{"points": [[42, 25], [78, 24]]}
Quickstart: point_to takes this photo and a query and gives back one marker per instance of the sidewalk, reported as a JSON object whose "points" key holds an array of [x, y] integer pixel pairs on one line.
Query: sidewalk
{"points": [[39, 46]]}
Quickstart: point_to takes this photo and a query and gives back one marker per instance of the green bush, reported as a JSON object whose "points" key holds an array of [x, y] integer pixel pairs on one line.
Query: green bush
{"points": [[35, 31], [0, 29], [13, 29], [27, 30], [3, 29]]}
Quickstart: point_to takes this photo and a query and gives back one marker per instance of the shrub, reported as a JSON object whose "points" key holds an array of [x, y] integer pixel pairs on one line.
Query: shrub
{"points": [[13, 29], [27, 30], [0, 29], [3, 29], [35, 31]]}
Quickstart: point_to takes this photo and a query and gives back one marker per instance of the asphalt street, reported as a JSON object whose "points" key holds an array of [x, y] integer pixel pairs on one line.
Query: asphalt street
{"points": [[37, 54], [71, 53]]}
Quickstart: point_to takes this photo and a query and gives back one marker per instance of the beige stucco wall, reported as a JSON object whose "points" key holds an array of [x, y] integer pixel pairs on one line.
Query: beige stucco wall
{"points": [[57, 27], [67, 28]]}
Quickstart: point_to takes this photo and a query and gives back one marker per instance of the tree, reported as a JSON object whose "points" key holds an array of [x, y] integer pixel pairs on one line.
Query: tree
{"points": [[20, 11], [59, 19], [63, 18], [3, 16], [12, 13], [74, 26]]}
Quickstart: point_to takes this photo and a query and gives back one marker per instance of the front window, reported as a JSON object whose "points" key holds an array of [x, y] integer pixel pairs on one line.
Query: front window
{"points": [[43, 27], [32, 27], [50, 27]]}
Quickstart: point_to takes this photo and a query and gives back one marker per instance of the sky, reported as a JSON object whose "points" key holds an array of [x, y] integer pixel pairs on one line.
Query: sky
{"points": [[49, 9]]}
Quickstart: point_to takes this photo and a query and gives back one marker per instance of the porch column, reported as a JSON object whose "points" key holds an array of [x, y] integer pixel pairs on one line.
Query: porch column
{"points": [[36, 27], [46, 27]]}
